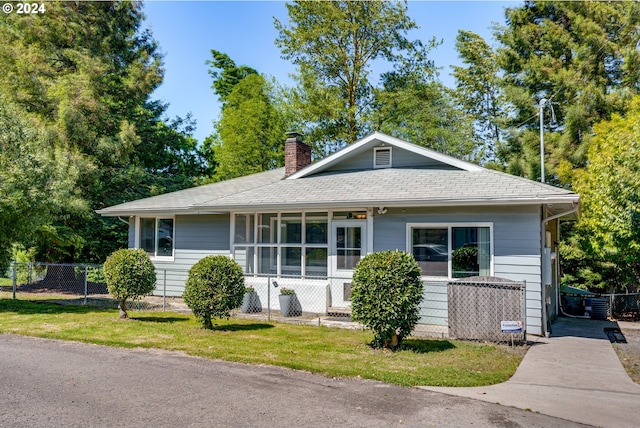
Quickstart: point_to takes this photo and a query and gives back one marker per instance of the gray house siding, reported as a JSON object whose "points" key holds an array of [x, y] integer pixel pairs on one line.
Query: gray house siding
{"points": [[516, 245], [399, 159], [196, 236]]}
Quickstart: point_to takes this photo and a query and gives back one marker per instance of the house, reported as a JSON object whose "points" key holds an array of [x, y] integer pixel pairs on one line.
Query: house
{"points": [[314, 221]]}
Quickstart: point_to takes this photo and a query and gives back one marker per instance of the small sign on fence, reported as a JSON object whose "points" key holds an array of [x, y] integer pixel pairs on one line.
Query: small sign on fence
{"points": [[511, 326]]}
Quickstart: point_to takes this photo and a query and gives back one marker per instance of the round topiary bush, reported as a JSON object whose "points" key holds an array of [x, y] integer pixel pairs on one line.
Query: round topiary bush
{"points": [[129, 274], [215, 286], [385, 293]]}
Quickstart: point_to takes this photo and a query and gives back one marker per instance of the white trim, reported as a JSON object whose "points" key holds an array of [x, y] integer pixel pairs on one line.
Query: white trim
{"points": [[154, 257], [333, 251], [449, 226]]}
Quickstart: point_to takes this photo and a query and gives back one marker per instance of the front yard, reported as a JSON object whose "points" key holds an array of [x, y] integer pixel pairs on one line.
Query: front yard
{"points": [[322, 350]]}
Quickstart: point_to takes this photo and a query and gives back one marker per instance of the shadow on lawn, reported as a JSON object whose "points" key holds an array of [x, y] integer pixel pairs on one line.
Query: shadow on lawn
{"points": [[159, 319], [32, 307], [425, 346], [241, 327]]}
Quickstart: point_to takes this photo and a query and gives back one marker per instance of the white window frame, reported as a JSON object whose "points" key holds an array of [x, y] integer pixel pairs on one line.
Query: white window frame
{"points": [[278, 244], [450, 226], [157, 218]]}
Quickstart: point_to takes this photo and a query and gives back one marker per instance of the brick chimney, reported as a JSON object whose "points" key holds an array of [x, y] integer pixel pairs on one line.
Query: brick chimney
{"points": [[297, 154]]}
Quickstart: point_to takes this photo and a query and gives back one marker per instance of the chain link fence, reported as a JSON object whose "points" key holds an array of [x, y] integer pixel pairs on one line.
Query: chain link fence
{"points": [[623, 307], [64, 283], [460, 309], [618, 306]]}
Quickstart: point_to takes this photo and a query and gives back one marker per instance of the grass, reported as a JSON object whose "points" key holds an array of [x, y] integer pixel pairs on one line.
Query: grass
{"points": [[6, 282], [327, 351]]}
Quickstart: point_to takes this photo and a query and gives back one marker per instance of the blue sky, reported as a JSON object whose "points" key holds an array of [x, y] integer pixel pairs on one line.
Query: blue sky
{"points": [[244, 30]]}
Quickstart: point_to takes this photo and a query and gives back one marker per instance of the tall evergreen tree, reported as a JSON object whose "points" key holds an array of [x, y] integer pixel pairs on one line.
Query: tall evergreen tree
{"points": [[479, 92], [583, 56], [250, 130], [334, 45], [248, 137], [84, 71]]}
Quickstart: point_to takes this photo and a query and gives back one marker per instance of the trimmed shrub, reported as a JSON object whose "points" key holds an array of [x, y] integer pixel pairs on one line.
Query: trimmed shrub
{"points": [[215, 286], [129, 274], [385, 293]]}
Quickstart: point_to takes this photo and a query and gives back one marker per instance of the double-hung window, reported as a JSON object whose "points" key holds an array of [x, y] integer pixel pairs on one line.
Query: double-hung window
{"points": [[452, 251], [156, 236]]}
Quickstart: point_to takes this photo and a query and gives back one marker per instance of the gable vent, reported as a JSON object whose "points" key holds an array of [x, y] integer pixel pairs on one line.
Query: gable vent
{"points": [[382, 157]]}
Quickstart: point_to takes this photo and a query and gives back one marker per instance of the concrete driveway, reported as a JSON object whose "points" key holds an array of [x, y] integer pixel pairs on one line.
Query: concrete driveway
{"points": [[575, 374], [48, 383]]}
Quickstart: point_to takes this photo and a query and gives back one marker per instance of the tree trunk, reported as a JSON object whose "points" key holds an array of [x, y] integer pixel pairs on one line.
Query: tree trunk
{"points": [[122, 308], [207, 322]]}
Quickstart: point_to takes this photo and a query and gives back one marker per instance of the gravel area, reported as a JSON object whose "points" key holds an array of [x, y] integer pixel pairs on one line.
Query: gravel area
{"points": [[629, 353]]}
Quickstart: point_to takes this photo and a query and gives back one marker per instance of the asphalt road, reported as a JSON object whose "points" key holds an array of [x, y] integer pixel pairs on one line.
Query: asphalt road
{"points": [[48, 383]]}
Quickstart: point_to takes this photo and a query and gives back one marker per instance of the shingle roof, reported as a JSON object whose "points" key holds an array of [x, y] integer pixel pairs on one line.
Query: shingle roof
{"points": [[380, 187], [393, 187], [184, 200], [456, 183]]}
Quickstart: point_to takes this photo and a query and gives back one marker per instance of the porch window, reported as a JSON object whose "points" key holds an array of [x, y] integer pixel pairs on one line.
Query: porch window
{"points": [[450, 251], [283, 243], [156, 236]]}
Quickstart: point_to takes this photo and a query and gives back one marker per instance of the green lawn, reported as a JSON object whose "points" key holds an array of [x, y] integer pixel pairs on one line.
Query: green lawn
{"points": [[322, 350], [6, 282]]}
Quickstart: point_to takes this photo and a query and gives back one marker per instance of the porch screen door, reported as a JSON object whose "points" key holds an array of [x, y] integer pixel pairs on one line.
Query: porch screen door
{"points": [[349, 244]]}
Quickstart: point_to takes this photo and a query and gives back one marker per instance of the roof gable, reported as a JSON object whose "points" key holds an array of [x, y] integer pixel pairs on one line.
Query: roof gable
{"points": [[360, 155]]}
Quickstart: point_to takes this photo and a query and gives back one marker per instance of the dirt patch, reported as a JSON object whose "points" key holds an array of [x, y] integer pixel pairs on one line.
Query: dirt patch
{"points": [[629, 353]]}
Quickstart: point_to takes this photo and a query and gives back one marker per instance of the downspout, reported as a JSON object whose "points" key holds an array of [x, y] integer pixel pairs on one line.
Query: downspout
{"points": [[123, 220], [545, 330]]}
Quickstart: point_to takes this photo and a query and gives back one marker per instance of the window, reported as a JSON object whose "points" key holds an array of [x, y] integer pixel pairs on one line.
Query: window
{"points": [[348, 246], [156, 236], [285, 243], [458, 251]]}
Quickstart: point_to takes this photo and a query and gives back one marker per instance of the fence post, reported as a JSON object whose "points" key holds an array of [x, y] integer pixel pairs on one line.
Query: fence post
{"points": [[15, 278], [269, 299], [86, 273], [524, 309], [164, 291], [611, 304]]}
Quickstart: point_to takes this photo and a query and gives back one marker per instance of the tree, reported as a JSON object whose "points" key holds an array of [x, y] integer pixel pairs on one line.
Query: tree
{"points": [[248, 136], [385, 294], [224, 81], [249, 132], [609, 225], [479, 92], [426, 113], [334, 45], [35, 178], [583, 57], [129, 274], [214, 287], [83, 72]]}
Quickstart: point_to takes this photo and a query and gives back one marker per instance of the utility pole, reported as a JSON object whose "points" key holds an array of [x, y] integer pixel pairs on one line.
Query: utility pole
{"points": [[543, 101]]}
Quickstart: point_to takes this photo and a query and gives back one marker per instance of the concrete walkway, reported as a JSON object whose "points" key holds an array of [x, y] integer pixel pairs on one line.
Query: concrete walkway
{"points": [[575, 375]]}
